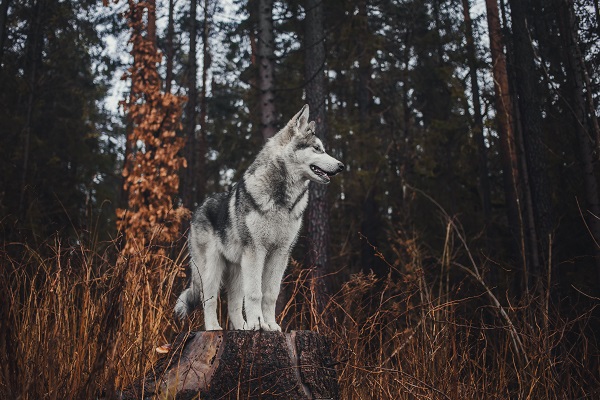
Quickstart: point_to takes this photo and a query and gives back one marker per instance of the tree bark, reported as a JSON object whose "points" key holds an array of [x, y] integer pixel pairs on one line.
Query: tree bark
{"points": [[370, 224], [597, 14], [266, 82], [242, 365], [531, 123], [318, 211], [3, 16], [170, 50], [34, 49], [574, 70], [151, 4], [200, 149], [191, 112], [504, 117], [484, 182]]}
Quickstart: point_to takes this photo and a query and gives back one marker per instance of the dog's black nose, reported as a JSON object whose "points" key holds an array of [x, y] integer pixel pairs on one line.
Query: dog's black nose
{"points": [[340, 167]]}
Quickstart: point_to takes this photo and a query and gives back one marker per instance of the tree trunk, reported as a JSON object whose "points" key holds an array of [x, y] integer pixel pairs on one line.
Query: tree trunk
{"points": [[531, 123], [370, 223], [242, 365], [170, 52], [318, 211], [528, 225], [577, 103], [200, 149], [265, 68], [484, 182], [597, 15], [3, 16], [188, 189], [34, 50], [151, 4], [504, 116], [528, 222]]}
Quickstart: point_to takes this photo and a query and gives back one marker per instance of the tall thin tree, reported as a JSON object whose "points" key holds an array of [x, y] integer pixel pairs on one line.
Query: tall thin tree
{"points": [[576, 89], [33, 48], [170, 50], [318, 211], [3, 17], [477, 125], [504, 117], [266, 79], [530, 113], [370, 218], [191, 109], [200, 148]]}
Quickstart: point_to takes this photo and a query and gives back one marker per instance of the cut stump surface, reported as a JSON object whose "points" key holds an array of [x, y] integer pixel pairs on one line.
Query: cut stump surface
{"points": [[242, 365]]}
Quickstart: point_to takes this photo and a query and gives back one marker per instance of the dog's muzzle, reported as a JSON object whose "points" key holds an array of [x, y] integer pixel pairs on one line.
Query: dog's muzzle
{"points": [[325, 175], [340, 169]]}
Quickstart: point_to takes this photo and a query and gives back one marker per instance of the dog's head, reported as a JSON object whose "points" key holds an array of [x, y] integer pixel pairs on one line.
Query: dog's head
{"points": [[305, 150]]}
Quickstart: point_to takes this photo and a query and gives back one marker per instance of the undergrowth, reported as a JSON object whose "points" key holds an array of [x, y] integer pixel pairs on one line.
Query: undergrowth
{"points": [[79, 322]]}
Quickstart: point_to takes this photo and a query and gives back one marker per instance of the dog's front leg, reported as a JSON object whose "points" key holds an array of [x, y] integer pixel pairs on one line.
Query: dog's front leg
{"points": [[210, 273], [235, 297], [271, 284], [253, 262]]}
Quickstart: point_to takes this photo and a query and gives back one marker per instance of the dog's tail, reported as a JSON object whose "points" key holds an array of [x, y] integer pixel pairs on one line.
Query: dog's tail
{"points": [[188, 300]]}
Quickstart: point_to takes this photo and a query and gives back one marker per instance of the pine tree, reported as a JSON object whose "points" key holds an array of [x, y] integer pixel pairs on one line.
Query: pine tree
{"points": [[318, 213], [576, 87], [266, 54], [530, 113], [508, 146], [57, 168], [191, 111], [200, 157], [477, 126], [3, 16]]}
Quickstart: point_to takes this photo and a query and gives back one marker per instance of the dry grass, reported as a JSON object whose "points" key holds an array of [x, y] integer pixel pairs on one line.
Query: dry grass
{"points": [[78, 322]]}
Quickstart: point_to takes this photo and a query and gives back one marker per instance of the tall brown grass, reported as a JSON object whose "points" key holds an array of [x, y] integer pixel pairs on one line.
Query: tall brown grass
{"points": [[78, 322], [81, 321]]}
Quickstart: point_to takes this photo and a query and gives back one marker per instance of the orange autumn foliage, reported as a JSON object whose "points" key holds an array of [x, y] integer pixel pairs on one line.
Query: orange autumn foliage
{"points": [[152, 161]]}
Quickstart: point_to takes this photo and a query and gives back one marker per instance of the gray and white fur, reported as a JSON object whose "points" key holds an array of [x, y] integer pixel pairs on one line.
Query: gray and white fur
{"points": [[242, 239]]}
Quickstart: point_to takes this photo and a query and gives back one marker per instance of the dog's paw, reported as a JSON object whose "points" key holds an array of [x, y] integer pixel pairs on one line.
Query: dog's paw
{"points": [[273, 327], [213, 327], [257, 324], [252, 327], [249, 326]]}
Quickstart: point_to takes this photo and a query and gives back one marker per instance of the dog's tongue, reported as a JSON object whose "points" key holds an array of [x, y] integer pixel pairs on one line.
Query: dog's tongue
{"points": [[320, 172]]}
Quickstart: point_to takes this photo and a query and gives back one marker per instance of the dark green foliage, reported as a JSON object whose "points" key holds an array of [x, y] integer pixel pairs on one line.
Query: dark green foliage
{"points": [[57, 155]]}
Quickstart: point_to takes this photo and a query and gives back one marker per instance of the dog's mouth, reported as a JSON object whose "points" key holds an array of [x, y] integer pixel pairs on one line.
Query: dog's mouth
{"points": [[324, 175]]}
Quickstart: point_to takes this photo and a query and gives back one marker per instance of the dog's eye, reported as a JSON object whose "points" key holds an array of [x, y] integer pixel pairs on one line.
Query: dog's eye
{"points": [[317, 148]]}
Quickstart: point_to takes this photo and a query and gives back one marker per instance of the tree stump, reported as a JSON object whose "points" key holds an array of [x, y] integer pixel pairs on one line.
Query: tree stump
{"points": [[242, 365]]}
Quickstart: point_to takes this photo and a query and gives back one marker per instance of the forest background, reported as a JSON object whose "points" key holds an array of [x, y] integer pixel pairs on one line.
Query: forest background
{"points": [[457, 256]]}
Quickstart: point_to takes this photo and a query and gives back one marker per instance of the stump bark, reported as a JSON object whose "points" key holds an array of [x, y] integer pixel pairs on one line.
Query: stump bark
{"points": [[242, 365]]}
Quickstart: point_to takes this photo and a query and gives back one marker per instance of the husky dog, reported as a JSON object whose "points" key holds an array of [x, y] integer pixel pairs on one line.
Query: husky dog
{"points": [[243, 238]]}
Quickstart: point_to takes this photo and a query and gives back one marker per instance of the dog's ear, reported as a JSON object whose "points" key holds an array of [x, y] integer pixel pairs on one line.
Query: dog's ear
{"points": [[302, 118], [311, 128], [296, 125]]}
